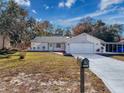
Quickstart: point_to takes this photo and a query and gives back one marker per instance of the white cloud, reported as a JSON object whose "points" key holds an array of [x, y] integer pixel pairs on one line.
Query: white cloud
{"points": [[116, 21], [94, 14], [107, 3], [23, 2], [61, 4], [34, 11], [121, 10], [66, 23], [38, 19], [118, 18], [46, 7], [67, 4]]}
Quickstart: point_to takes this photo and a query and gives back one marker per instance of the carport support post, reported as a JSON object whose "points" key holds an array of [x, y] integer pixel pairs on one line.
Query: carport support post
{"points": [[82, 78]]}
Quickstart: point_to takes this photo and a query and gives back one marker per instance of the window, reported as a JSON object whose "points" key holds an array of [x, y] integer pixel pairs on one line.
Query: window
{"points": [[58, 45], [33, 48], [50, 45], [38, 47], [43, 47]]}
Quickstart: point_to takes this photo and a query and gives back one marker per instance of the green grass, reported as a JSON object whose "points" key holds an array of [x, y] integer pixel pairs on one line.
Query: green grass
{"points": [[41, 62]]}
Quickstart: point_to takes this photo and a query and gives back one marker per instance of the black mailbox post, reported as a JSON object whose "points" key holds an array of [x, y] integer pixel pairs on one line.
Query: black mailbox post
{"points": [[83, 64]]}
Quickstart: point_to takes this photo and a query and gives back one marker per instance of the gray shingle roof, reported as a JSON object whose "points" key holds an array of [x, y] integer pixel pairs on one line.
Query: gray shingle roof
{"points": [[62, 39], [50, 39]]}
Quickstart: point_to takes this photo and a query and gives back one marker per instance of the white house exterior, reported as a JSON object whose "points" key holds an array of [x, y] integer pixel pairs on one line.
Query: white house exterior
{"points": [[82, 43], [51, 43]]}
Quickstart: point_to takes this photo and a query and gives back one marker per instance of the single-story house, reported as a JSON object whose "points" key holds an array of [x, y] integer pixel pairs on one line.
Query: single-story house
{"points": [[83, 43], [49, 43], [4, 42]]}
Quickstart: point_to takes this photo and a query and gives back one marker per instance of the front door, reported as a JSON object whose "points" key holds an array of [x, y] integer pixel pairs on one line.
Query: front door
{"points": [[51, 46]]}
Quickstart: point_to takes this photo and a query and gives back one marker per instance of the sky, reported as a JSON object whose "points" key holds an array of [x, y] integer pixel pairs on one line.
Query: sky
{"points": [[69, 12]]}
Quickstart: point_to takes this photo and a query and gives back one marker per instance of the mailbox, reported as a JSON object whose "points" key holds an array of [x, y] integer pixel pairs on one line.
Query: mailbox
{"points": [[85, 63]]}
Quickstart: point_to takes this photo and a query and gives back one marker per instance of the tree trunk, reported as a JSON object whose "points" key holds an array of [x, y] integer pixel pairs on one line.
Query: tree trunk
{"points": [[3, 46], [22, 51], [22, 54]]}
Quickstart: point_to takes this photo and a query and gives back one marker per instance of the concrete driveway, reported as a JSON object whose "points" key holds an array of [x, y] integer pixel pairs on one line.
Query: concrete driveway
{"points": [[110, 70]]}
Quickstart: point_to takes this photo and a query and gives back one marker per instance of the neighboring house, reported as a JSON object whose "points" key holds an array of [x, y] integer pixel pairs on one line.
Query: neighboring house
{"points": [[4, 42], [82, 43]]}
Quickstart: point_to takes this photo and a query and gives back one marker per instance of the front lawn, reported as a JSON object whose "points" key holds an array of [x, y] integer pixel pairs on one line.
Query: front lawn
{"points": [[39, 63], [42, 72], [39, 73], [119, 57]]}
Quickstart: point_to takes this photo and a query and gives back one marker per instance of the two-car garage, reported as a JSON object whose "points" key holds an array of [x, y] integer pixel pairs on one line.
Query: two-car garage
{"points": [[83, 43], [81, 48]]}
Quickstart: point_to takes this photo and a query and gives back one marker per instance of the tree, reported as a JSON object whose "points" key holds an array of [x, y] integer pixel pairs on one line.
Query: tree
{"points": [[108, 33], [59, 32], [5, 23], [85, 26], [18, 24], [68, 32], [15, 23], [43, 28], [82, 28]]}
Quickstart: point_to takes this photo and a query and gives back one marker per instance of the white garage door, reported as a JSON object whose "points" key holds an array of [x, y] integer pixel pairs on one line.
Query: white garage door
{"points": [[81, 48]]}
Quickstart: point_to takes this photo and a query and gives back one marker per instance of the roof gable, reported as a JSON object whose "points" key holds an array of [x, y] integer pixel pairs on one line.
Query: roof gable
{"points": [[94, 37], [83, 38]]}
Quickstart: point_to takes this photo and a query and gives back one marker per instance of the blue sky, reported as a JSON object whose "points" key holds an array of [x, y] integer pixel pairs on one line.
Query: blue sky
{"points": [[69, 12]]}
